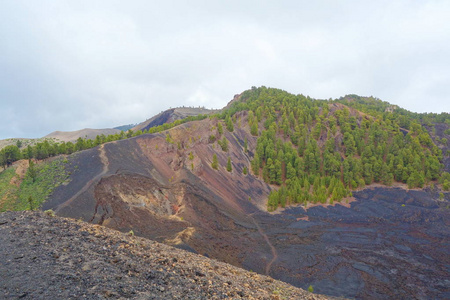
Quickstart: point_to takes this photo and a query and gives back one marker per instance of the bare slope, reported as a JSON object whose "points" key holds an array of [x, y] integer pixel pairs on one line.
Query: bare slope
{"points": [[388, 244], [88, 133], [60, 136], [171, 115], [45, 257], [150, 184]]}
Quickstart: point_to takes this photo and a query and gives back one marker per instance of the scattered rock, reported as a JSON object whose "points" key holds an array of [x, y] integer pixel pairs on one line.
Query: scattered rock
{"points": [[97, 268]]}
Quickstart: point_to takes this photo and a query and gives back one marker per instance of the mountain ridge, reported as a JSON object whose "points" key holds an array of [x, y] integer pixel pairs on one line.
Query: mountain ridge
{"points": [[88, 133], [165, 185], [171, 115]]}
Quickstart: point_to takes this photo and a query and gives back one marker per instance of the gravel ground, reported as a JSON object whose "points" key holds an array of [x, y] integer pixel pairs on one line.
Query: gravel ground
{"points": [[45, 257]]}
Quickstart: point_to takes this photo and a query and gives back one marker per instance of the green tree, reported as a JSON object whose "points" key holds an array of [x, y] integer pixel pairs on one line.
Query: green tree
{"points": [[129, 133], [70, 147], [215, 162], [254, 128], [278, 172], [224, 144], [81, 144], [290, 171], [416, 180], [255, 163], [97, 140], [30, 202], [10, 154], [229, 124], [31, 172], [229, 166], [29, 152], [212, 138]]}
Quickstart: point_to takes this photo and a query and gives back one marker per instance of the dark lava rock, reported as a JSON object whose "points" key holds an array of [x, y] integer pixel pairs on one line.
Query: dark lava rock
{"points": [[44, 257], [391, 243]]}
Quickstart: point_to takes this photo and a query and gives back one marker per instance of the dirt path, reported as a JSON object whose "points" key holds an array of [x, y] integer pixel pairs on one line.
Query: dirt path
{"points": [[104, 159], [21, 170], [272, 248], [105, 162]]}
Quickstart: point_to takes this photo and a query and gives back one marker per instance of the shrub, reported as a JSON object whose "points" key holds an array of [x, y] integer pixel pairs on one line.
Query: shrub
{"points": [[50, 212]]}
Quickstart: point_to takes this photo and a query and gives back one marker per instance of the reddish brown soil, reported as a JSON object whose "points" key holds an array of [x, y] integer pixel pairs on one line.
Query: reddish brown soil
{"points": [[152, 185]]}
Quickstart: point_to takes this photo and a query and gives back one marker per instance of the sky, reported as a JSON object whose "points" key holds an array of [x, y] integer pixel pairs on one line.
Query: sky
{"points": [[68, 65]]}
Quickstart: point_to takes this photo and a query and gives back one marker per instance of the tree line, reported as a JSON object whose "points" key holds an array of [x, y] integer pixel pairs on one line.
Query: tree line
{"points": [[50, 148], [317, 152]]}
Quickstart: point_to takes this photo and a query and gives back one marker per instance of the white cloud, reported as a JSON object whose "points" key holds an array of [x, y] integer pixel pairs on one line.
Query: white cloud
{"points": [[66, 65]]}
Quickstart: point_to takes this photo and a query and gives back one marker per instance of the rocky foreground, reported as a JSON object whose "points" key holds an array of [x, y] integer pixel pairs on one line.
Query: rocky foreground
{"points": [[47, 257]]}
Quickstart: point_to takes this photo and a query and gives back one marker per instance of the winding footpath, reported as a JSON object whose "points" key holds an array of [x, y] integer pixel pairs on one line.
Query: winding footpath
{"points": [[272, 248], [105, 162]]}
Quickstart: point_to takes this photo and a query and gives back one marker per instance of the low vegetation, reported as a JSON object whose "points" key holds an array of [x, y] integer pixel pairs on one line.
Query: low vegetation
{"points": [[7, 189], [34, 189]]}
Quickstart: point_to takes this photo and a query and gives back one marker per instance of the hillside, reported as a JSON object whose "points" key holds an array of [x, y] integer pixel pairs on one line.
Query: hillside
{"points": [[87, 133], [171, 115], [360, 199], [22, 141], [46, 257], [59, 136], [318, 151]]}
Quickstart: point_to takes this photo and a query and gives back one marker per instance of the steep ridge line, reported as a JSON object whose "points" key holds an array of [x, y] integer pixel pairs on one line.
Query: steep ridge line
{"points": [[272, 248], [105, 162]]}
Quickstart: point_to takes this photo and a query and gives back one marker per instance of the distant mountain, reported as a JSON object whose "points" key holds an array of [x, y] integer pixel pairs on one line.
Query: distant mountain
{"points": [[164, 117], [87, 133], [358, 190], [171, 115], [14, 141], [60, 136], [125, 127]]}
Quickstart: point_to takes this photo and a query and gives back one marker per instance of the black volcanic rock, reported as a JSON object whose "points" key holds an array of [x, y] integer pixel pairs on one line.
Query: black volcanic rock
{"points": [[44, 257]]}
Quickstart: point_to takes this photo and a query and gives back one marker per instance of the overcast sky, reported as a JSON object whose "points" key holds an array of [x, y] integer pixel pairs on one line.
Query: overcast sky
{"points": [[67, 65]]}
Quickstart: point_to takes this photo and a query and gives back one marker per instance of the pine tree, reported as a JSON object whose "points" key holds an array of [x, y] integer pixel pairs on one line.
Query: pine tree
{"points": [[229, 124], [254, 128], [215, 162], [290, 171], [224, 144], [229, 166], [31, 172], [30, 202], [255, 164]]}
